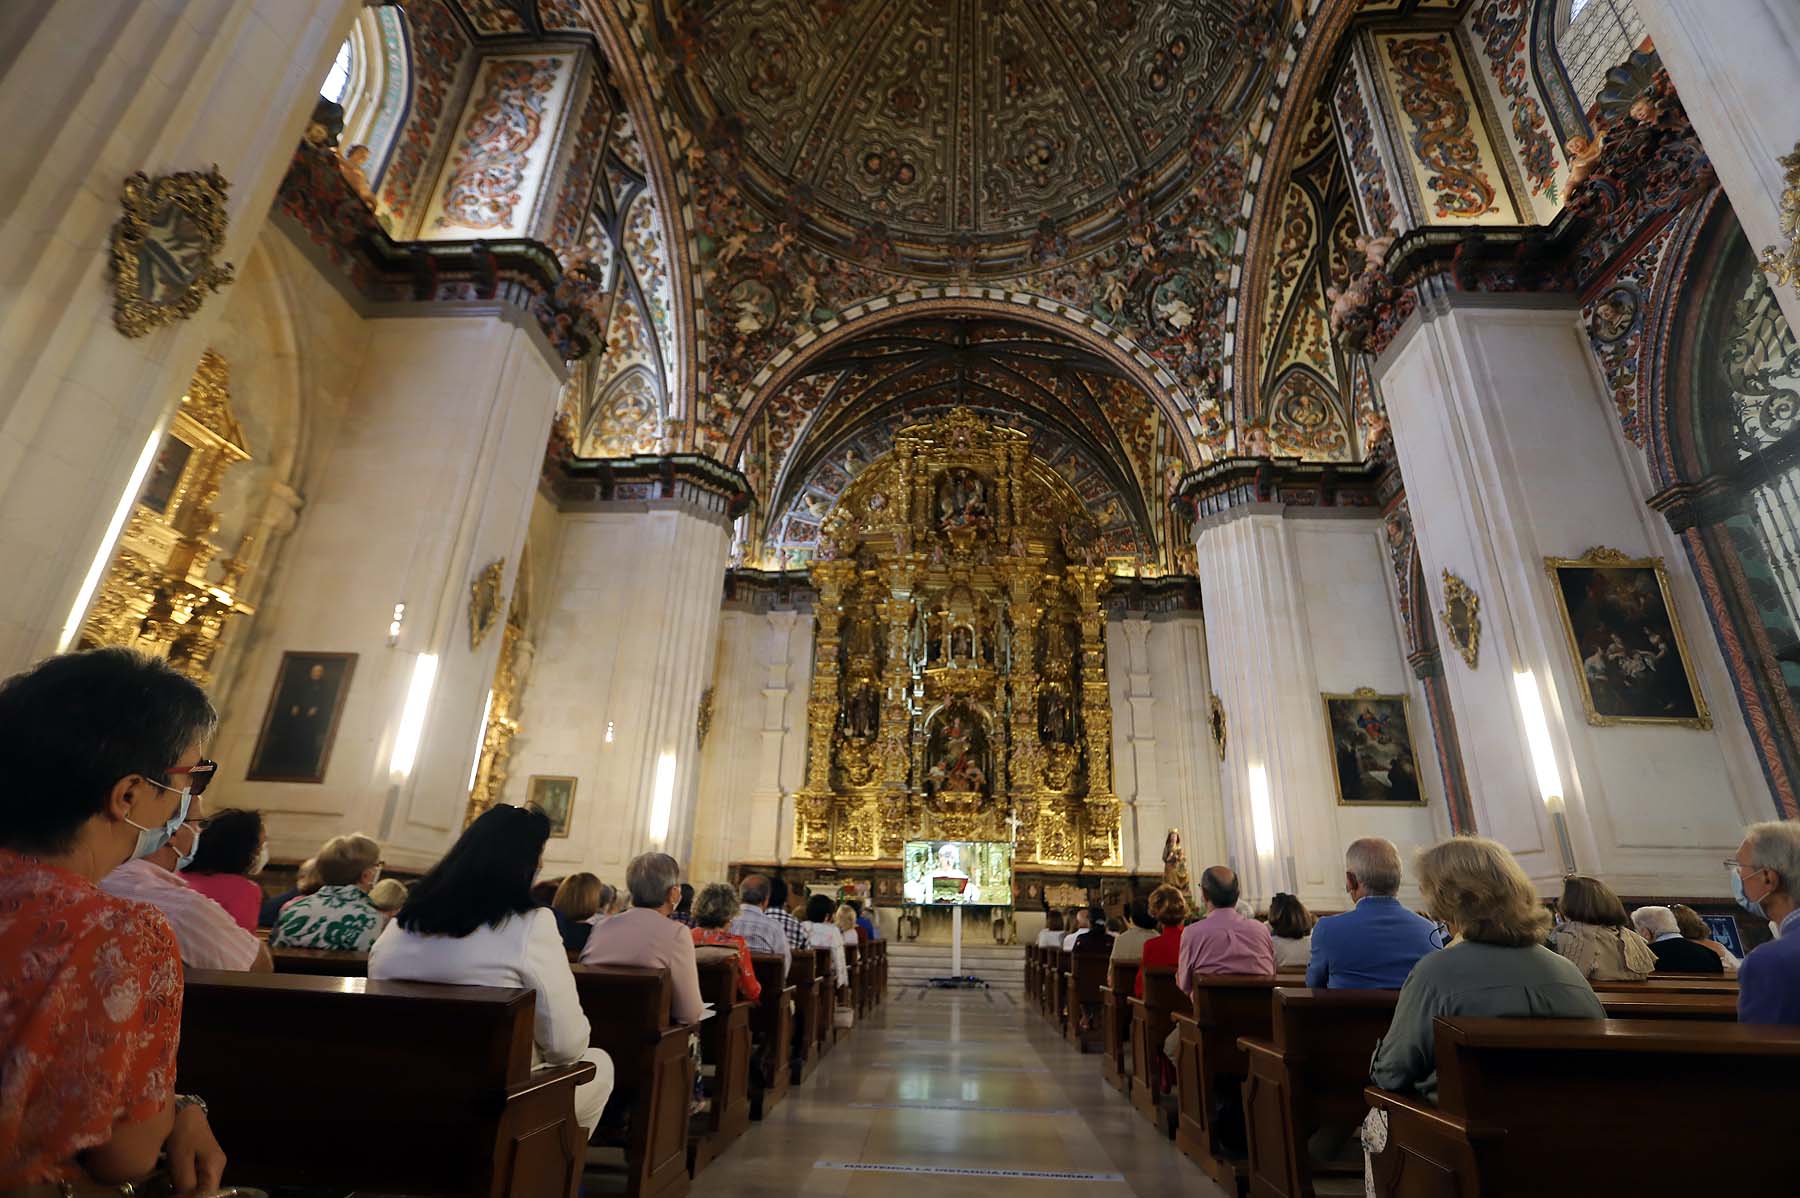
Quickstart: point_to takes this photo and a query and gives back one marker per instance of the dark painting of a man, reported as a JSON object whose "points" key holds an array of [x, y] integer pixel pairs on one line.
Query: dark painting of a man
{"points": [[302, 719]]}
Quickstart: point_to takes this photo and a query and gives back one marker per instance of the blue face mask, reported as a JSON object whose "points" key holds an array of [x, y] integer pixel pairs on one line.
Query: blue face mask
{"points": [[186, 859], [1754, 906], [151, 839]]}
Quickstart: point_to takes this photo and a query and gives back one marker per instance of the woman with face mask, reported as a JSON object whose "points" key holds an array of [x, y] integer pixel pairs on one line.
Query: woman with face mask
{"points": [[105, 748], [233, 851], [206, 935]]}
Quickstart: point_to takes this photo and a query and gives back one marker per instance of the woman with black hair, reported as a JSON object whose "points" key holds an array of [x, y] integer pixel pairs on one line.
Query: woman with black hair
{"points": [[232, 848], [470, 921], [822, 932]]}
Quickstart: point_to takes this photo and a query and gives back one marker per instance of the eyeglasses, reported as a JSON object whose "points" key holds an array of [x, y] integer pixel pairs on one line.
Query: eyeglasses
{"points": [[199, 775], [1736, 866]]}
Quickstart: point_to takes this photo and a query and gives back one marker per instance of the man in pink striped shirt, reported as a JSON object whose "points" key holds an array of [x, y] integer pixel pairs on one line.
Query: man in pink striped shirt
{"points": [[209, 938], [1223, 942]]}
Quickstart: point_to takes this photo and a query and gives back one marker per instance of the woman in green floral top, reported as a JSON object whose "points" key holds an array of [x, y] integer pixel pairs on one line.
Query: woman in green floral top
{"points": [[339, 914]]}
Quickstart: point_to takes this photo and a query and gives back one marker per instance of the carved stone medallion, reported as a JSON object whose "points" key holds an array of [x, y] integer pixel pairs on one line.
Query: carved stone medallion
{"points": [[165, 246]]}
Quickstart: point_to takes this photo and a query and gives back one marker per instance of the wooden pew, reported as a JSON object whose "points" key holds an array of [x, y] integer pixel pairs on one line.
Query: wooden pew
{"points": [[772, 1033], [828, 985], [1059, 991], [879, 991], [853, 960], [725, 1046], [1152, 1016], [808, 1004], [647, 1115], [320, 962], [1509, 1090], [1087, 978], [1115, 1024], [1032, 964], [463, 1111], [1224, 1009], [1312, 1071]]}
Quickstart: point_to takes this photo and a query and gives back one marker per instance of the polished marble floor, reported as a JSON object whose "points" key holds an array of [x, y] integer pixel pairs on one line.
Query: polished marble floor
{"points": [[958, 1094]]}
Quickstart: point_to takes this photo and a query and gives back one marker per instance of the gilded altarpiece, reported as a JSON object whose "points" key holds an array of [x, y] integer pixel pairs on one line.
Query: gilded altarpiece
{"points": [[170, 590], [959, 688]]}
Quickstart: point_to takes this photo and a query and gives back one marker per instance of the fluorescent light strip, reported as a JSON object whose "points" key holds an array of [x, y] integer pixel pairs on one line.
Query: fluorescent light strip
{"points": [[1262, 813], [412, 716], [487, 709], [103, 555], [1537, 735], [662, 800]]}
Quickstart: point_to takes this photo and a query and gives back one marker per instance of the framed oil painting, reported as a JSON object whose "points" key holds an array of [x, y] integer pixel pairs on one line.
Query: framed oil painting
{"points": [[302, 720], [555, 797], [1372, 758], [1629, 652]]}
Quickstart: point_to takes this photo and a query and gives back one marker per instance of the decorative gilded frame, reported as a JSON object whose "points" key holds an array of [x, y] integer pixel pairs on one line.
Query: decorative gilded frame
{"points": [[1364, 693], [144, 203], [1783, 265], [1462, 618], [558, 830], [1215, 722], [1600, 557], [484, 602]]}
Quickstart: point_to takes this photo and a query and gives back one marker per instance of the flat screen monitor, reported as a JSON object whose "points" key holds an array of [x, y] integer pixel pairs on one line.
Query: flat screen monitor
{"points": [[964, 873]]}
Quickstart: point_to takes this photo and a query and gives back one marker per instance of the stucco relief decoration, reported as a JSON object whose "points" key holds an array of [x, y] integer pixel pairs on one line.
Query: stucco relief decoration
{"points": [[1462, 618], [1357, 129], [165, 248], [1431, 95], [484, 601], [487, 180], [1503, 27], [438, 45], [1784, 265]]}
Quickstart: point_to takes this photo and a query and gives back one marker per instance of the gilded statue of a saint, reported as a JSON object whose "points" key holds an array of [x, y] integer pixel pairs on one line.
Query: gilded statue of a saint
{"points": [[1175, 867]]}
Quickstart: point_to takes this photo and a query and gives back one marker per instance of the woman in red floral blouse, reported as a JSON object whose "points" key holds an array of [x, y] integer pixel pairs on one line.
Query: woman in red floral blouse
{"points": [[104, 750], [714, 908]]}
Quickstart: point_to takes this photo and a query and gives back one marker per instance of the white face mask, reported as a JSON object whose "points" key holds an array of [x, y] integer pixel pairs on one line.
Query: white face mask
{"points": [[262, 860]]}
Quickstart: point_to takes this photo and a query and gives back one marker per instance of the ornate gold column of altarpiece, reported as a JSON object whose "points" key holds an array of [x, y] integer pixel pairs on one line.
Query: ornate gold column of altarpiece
{"points": [[959, 679]]}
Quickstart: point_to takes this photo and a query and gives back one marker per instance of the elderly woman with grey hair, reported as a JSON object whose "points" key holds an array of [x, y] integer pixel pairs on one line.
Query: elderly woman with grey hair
{"points": [[715, 906], [646, 936]]}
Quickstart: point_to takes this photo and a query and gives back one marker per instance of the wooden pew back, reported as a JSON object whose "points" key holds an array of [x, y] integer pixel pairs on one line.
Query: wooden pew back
{"points": [[628, 1016], [463, 1110], [803, 979], [1152, 1017], [1115, 1022], [1087, 978], [771, 1033], [320, 962]]}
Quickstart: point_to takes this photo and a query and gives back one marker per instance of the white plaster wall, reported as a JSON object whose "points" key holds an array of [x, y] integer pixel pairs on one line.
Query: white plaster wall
{"points": [[92, 92], [755, 757], [1297, 608], [1165, 769], [1512, 454], [428, 476], [628, 636]]}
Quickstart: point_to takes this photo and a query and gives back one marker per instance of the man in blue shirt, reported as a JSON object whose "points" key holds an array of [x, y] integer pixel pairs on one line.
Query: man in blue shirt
{"points": [[1765, 879], [865, 927], [1374, 945]]}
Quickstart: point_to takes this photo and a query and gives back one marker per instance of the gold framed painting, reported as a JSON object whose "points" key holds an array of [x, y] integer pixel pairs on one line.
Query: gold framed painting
{"points": [[1373, 762], [301, 722], [554, 795], [1626, 640]]}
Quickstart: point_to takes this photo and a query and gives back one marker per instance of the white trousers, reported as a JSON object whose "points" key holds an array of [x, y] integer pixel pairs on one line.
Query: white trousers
{"points": [[590, 1097]]}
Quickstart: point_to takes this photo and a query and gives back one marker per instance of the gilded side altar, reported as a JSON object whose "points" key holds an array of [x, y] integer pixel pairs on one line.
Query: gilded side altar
{"points": [[959, 674]]}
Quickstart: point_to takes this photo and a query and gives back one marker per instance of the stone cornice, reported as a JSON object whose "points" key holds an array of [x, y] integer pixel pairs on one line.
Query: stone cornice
{"points": [[1171, 594], [688, 480], [1235, 484], [750, 589]]}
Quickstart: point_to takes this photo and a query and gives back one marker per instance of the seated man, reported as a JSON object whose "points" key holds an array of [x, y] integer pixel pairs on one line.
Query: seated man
{"points": [[1375, 944], [1128, 945], [1675, 953], [205, 933], [646, 935], [1080, 926], [1766, 880], [338, 915], [1224, 941], [761, 933], [1096, 939], [778, 901]]}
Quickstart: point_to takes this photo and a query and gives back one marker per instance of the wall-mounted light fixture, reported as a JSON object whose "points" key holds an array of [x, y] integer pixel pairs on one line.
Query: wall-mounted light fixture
{"points": [[97, 568], [662, 797], [412, 715], [487, 709], [1262, 813], [1543, 760], [394, 624]]}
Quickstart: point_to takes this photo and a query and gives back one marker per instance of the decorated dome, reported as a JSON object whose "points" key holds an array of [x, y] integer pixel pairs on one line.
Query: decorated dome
{"points": [[953, 135]]}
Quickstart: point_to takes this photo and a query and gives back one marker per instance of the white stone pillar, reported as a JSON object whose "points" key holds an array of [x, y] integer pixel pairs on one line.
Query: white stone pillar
{"points": [[1512, 454], [430, 476], [1136, 774], [1297, 607], [90, 92], [1735, 64], [628, 646]]}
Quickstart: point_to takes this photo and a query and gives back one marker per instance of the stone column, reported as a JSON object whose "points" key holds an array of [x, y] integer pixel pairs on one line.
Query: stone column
{"points": [[429, 478], [1512, 454], [627, 647], [91, 93], [1734, 63]]}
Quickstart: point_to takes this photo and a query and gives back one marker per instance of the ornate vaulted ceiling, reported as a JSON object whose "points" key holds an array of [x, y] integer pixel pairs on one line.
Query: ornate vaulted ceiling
{"points": [[1091, 423], [966, 134]]}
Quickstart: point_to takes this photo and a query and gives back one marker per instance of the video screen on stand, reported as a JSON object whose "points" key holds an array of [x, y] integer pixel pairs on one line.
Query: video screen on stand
{"points": [[959, 873]]}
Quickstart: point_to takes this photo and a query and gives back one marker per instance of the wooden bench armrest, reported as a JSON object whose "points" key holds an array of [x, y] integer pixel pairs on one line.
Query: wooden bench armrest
{"points": [[1135, 1001], [548, 1076], [1412, 1107], [1251, 1046], [1183, 1017]]}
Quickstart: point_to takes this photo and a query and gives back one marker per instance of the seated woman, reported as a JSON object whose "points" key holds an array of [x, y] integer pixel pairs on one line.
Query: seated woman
{"points": [[232, 850], [821, 932], [1052, 935], [306, 881], [388, 896], [576, 902], [1291, 925], [1496, 965], [1596, 934], [845, 919], [1168, 907], [470, 921], [90, 984], [1694, 928], [715, 906], [338, 915]]}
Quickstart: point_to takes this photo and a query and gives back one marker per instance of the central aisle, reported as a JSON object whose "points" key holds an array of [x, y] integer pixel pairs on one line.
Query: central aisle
{"points": [[954, 1093]]}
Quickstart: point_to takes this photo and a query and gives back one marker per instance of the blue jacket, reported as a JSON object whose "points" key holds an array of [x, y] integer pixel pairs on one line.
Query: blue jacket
{"points": [[1769, 978], [1372, 946]]}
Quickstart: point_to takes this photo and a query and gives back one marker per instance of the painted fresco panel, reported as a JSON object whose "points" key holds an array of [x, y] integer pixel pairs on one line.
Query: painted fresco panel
{"points": [[1454, 167], [491, 182]]}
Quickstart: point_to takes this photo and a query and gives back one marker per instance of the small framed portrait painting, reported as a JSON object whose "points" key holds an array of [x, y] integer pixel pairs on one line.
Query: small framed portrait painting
{"points": [[302, 720], [1629, 652], [1373, 761], [555, 797]]}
